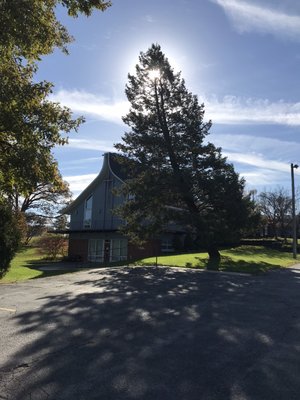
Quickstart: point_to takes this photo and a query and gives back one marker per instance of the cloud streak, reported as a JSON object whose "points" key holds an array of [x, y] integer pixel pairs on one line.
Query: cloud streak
{"points": [[149, 18], [258, 171], [79, 182], [92, 144], [247, 17], [236, 110], [286, 151], [263, 179], [228, 110], [88, 103], [257, 161], [262, 161]]}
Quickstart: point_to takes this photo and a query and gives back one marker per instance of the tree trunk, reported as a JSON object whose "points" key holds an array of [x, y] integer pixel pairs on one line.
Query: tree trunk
{"points": [[214, 258]]}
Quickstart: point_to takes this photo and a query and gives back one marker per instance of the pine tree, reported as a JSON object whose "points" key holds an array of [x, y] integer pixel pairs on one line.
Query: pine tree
{"points": [[176, 174]]}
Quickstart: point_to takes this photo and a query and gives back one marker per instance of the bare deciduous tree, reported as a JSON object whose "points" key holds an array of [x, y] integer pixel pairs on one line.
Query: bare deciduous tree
{"points": [[276, 207]]}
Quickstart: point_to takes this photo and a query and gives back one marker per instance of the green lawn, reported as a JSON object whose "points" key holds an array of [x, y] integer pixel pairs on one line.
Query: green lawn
{"points": [[248, 259], [20, 266]]}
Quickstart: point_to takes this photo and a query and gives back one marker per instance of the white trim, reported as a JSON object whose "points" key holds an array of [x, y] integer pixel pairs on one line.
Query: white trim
{"points": [[116, 176], [88, 190]]}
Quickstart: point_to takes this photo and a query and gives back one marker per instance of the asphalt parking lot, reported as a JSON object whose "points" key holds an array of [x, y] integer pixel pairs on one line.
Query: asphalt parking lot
{"points": [[151, 333]]}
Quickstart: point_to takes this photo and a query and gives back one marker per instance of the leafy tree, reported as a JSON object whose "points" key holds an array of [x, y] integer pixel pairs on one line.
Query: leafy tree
{"points": [[36, 226], [21, 223], [30, 124], [40, 207], [276, 207], [61, 223], [255, 223], [9, 236], [46, 199], [176, 174], [29, 28]]}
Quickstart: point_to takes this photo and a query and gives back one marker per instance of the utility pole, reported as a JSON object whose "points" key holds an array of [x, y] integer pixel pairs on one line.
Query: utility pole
{"points": [[293, 166]]}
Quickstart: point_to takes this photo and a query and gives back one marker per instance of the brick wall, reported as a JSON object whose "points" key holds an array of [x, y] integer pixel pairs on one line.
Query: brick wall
{"points": [[149, 249], [78, 247]]}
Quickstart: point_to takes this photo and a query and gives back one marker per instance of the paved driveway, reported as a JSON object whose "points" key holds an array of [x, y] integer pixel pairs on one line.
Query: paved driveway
{"points": [[151, 333]]}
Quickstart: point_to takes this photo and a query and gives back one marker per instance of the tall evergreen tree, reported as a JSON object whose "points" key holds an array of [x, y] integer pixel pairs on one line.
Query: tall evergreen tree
{"points": [[176, 174]]}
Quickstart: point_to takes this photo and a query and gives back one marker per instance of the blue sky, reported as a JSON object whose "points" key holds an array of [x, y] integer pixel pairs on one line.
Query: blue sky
{"points": [[241, 57]]}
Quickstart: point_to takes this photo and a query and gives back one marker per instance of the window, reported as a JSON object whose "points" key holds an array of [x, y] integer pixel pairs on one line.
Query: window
{"points": [[95, 250], [167, 245], [119, 250], [87, 221]]}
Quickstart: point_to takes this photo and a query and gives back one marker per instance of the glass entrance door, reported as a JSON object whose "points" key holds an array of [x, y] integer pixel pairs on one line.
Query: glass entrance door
{"points": [[107, 251]]}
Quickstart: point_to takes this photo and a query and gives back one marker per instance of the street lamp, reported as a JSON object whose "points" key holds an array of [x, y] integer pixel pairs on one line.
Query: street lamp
{"points": [[294, 166]]}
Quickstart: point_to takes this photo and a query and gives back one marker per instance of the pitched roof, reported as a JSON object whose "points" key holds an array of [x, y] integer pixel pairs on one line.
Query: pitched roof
{"points": [[118, 165], [113, 163]]}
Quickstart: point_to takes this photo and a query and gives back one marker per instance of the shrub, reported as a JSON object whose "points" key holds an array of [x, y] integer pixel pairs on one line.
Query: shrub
{"points": [[9, 237], [53, 246]]}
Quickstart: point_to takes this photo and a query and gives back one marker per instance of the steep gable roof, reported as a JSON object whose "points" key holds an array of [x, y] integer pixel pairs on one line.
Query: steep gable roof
{"points": [[118, 166], [112, 162]]}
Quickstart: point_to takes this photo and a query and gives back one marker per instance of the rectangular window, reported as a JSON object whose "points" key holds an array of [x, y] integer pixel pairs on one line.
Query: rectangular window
{"points": [[87, 220], [117, 252], [119, 249], [167, 245], [95, 250]]}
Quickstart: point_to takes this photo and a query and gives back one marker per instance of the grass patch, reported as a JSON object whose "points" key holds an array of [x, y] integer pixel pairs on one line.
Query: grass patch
{"points": [[23, 266], [247, 259]]}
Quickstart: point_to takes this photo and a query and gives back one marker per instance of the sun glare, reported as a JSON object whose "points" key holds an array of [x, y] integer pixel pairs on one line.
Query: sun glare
{"points": [[154, 74]]}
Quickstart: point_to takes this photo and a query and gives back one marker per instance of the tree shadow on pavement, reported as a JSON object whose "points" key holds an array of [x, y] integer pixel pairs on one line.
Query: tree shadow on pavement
{"points": [[161, 333]]}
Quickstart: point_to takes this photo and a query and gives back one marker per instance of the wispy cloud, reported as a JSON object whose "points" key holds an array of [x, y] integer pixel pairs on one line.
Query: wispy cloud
{"points": [[81, 161], [79, 182], [248, 17], [236, 110], [262, 161], [88, 103], [258, 170], [262, 179], [80, 164], [257, 161], [92, 144], [149, 18], [283, 150], [228, 110]]}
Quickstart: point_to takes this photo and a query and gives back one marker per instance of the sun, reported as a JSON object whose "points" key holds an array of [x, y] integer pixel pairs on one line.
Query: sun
{"points": [[154, 74]]}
